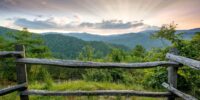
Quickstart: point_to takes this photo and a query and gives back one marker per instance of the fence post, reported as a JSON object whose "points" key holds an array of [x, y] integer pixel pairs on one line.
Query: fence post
{"points": [[172, 75], [21, 71]]}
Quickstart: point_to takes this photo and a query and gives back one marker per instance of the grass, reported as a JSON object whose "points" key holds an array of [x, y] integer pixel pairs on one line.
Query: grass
{"points": [[84, 85], [80, 85]]}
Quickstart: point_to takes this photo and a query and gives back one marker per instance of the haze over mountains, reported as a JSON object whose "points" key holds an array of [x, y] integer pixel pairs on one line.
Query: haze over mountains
{"points": [[131, 39]]}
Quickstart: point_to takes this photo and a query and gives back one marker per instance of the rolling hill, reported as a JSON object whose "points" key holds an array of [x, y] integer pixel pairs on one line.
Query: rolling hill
{"points": [[68, 47], [131, 39], [103, 43]]}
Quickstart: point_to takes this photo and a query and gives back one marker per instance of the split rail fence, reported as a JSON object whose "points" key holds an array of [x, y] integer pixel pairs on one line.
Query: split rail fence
{"points": [[173, 64]]}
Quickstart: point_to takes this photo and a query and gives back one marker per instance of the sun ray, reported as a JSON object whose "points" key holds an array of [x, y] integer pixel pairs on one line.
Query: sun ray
{"points": [[149, 12]]}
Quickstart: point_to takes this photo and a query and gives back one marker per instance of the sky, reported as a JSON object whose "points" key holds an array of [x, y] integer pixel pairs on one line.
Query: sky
{"points": [[102, 17]]}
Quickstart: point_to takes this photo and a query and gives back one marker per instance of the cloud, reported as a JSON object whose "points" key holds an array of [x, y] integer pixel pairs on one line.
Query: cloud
{"points": [[61, 23], [109, 24], [36, 24], [117, 24]]}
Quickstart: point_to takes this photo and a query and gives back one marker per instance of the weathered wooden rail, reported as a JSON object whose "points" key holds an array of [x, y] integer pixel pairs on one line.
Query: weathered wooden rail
{"points": [[173, 64], [6, 54], [12, 89], [97, 93], [81, 64], [183, 60], [177, 92]]}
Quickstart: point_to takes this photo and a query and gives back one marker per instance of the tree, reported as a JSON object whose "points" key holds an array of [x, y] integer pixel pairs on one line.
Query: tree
{"points": [[87, 53], [2, 43], [34, 46], [168, 32], [138, 51], [188, 48], [33, 43], [117, 55], [195, 43]]}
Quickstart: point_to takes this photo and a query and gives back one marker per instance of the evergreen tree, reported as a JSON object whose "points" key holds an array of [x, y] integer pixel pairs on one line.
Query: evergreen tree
{"points": [[116, 55], [34, 47], [138, 51], [87, 53]]}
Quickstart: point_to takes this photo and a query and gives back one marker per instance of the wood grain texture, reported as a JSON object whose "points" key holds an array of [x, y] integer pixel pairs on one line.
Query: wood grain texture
{"points": [[178, 93], [172, 75], [81, 64], [21, 71], [96, 93], [185, 61]]}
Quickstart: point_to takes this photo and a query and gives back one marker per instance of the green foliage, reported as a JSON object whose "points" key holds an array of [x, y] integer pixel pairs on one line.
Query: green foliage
{"points": [[7, 69], [97, 75], [116, 75], [34, 48], [139, 51], [155, 78], [33, 43], [71, 47], [116, 55], [191, 48], [2, 43], [189, 78], [87, 53], [102, 75], [109, 75], [168, 32]]}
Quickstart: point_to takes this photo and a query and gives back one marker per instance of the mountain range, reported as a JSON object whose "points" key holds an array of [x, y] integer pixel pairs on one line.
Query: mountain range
{"points": [[131, 39], [69, 45]]}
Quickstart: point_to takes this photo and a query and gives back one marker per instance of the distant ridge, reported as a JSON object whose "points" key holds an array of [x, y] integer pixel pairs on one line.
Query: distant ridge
{"points": [[127, 39], [131, 39]]}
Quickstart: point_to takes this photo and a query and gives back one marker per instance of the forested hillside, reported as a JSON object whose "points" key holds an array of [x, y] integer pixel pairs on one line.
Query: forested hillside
{"points": [[123, 41], [4, 30], [132, 39], [68, 47]]}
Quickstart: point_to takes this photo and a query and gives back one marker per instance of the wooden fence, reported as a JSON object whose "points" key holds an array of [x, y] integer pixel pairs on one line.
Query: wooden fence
{"points": [[173, 64]]}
